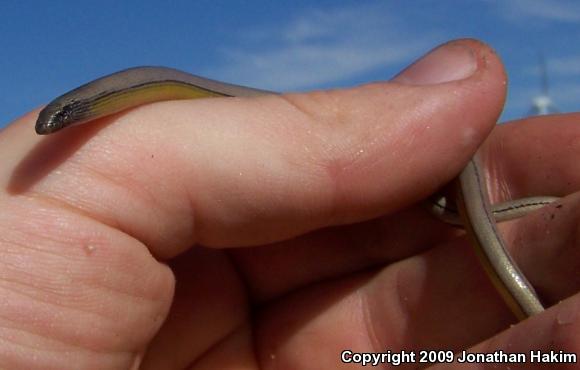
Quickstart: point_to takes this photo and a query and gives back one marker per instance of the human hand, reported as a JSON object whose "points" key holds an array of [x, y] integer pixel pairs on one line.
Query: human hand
{"points": [[306, 207]]}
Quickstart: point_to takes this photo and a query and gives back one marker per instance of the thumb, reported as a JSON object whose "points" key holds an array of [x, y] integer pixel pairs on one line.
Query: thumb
{"points": [[234, 172]]}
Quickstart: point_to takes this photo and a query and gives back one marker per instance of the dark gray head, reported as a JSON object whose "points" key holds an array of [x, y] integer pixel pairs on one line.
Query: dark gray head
{"points": [[53, 118]]}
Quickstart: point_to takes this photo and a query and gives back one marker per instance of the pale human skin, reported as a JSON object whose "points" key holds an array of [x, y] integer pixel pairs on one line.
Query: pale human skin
{"points": [[308, 208]]}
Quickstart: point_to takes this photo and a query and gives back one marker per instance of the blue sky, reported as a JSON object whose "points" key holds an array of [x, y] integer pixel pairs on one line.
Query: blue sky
{"points": [[49, 47]]}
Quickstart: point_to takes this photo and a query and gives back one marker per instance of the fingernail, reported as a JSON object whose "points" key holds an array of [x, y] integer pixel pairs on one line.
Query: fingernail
{"points": [[449, 62]]}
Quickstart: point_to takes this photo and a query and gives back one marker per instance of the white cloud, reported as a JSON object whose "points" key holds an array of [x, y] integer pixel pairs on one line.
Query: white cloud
{"points": [[567, 94], [321, 47], [568, 66], [547, 10], [565, 66]]}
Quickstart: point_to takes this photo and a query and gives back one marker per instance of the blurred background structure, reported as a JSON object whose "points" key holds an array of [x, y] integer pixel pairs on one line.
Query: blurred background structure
{"points": [[542, 104]]}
